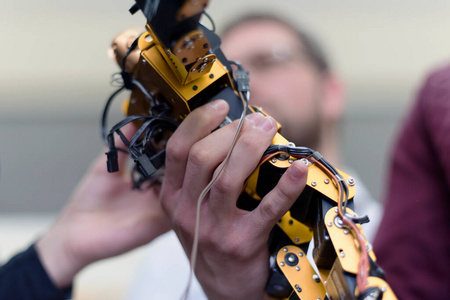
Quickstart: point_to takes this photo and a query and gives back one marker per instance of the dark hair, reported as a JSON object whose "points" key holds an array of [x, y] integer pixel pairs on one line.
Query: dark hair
{"points": [[313, 50]]}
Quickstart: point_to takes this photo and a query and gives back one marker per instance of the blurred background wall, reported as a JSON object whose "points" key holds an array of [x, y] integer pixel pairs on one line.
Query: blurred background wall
{"points": [[55, 79]]}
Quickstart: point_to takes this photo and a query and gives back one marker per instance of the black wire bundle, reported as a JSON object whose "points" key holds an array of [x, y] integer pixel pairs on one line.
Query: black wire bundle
{"points": [[309, 153], [143, 146]]}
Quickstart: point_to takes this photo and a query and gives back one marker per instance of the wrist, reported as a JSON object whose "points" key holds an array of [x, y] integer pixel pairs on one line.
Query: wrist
{"points": [[57, 259], [239, 284]]}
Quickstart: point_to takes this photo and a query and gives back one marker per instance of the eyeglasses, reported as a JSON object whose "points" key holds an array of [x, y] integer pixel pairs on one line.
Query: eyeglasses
{"points": [[273, 57]]}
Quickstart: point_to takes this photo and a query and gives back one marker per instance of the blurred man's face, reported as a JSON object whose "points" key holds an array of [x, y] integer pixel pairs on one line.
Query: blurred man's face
{"points": [[282, 81]]}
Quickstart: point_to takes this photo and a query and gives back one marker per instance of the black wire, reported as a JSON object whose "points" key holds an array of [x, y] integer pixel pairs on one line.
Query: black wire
{"points": [[307, 152], [144, 91], [105, 113], [130, 49], [211, 20], [140, 131]]}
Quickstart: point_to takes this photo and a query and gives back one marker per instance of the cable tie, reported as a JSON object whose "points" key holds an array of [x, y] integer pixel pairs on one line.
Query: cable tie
{"points": [[283, 148], [316, 155]]}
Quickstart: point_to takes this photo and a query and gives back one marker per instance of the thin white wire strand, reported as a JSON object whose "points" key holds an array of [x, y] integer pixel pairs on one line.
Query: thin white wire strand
{"points": [[205, 191]]}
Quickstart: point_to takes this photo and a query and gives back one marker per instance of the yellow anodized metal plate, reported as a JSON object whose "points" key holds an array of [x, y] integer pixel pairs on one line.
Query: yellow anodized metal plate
{"points": [[298, 270], [344, 242]]}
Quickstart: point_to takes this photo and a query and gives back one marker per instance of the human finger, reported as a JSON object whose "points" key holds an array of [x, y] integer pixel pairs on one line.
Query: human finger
{"points": [[257, 133], [205, 156], [198, 124], [280, 199]]}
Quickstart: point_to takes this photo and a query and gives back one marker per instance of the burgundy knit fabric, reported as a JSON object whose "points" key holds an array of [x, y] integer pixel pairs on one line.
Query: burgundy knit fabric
{"points": [[413, 241]]}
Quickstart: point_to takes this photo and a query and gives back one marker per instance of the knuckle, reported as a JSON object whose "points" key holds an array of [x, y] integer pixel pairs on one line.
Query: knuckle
{"points": [[249, 143], [182, 224], [175, 150], [227, 248], [199, 155], [232, 250], [226, 183], [269, 211]]}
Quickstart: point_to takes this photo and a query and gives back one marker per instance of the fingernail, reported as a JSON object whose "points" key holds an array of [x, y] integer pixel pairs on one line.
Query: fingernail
{"points": [[266, 124], [218, 104], [295, 172], [253, 118], [261, 122]]}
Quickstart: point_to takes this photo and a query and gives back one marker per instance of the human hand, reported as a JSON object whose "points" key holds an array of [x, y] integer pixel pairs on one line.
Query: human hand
{"points": [[105, 217], [233, 257]]}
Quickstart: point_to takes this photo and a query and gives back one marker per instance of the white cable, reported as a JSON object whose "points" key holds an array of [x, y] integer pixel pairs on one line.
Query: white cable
{"points": [[205, 191]]}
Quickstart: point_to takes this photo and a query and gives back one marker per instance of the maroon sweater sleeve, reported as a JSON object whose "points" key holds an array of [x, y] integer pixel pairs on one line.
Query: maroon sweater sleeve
{"points": [[413, 241]]}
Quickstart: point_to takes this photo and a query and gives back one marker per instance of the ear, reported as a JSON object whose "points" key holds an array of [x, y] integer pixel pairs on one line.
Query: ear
{"points": [[334, 99]]}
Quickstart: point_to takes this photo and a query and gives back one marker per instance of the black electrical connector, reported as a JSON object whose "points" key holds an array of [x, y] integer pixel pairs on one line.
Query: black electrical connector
{"points": [[134, 9], [148, 166], [242, 80], [145, 166], [112, 162]]}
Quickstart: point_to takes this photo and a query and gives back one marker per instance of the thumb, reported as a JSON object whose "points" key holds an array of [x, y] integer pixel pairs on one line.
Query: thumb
{"points": [[279, 200]]}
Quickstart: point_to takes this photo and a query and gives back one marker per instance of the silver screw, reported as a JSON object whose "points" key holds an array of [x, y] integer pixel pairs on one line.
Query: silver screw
{"points": [[342, 254], [300, 254], [298, 288], [316, 278], [285, 249], [384, 289], [313, 183], [327, 181], [274, 160], [330, 224], [351, 181], [297, 268], [290, 160], [282, 264], [296, 240], [346, 231], [338, 222], [336, 209], [305, 161]]}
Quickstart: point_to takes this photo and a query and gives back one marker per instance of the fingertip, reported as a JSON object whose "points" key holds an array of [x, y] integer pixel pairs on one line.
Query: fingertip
{"points": [[298, 170], [219, 105]]}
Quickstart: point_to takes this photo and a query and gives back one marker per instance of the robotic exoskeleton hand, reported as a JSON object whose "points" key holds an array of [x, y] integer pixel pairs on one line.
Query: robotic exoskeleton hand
{"points": [[175, 66]]}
